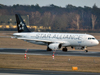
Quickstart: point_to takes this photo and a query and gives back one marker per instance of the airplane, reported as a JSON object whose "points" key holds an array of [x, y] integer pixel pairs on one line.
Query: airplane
{"points": [[54, 41]]}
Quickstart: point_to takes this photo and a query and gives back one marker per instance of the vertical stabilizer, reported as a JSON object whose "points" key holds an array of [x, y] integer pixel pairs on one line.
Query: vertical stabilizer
{"points": [[21, 26]]}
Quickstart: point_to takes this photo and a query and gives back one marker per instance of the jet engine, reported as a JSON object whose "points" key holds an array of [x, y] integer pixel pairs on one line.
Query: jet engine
{"points": [[55, 46]]}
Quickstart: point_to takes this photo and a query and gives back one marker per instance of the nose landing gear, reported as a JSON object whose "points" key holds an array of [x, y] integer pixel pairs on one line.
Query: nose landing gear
{"points": [[85, 49]]}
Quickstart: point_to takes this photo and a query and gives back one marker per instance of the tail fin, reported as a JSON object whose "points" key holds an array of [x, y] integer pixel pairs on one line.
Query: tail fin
{"points": [[20, 24]]}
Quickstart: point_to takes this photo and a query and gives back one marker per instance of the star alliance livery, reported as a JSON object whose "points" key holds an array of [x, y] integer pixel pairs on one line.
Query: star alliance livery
{"points": [[54, 41]]}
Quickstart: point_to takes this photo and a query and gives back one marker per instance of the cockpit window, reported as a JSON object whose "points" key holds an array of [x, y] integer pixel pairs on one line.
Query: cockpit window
{"points": [[91, 38]]}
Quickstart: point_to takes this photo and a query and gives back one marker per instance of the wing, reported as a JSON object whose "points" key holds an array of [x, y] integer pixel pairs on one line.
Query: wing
{"points": [[64, 43], [5, 37]]}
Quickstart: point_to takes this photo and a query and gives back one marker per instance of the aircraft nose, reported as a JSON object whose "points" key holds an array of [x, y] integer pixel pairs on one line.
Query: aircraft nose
{"points": [[96, 42]]}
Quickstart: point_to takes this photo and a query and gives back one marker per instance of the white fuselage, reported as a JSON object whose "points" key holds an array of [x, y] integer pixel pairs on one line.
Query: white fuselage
{"points": [[66, 39]]}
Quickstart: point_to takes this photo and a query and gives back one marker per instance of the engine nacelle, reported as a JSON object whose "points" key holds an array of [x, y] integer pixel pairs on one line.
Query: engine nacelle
{"points": [[55, 46], [80, 48]]}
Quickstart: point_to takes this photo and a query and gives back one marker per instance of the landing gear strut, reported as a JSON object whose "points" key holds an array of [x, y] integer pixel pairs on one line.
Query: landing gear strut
{"points": [[86, 49], [65, 49]]}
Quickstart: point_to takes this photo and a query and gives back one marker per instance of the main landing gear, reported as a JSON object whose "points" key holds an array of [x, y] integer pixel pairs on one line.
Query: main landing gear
{"points": [[48, 49], [65, 49], [86, 51]]}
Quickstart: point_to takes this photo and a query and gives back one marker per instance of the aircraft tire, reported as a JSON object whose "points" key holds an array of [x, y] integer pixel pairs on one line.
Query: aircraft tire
{"points": [[64, 49], [86, 50]]}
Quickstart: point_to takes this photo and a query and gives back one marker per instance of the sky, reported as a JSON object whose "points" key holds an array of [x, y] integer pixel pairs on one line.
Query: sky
{"points": [[61, 3]]}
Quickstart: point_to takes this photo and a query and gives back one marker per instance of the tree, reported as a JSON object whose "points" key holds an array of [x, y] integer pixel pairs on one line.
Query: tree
{"points": [[93, 17], [35, 18], [95, 6], [76, 20], [46, 19]]}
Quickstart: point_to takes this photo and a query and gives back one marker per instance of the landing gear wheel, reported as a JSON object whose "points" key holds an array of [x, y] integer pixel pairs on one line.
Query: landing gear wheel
{"points": [[86, 50], [64, 49], [48, 49]]}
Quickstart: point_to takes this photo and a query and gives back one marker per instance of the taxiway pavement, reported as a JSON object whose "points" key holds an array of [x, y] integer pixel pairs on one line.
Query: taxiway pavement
{"points": [[41, 72], [44, 52]]}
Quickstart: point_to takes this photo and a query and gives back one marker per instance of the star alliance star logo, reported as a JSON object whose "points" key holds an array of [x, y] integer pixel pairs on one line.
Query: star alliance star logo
{"points": [[21, 26]]}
